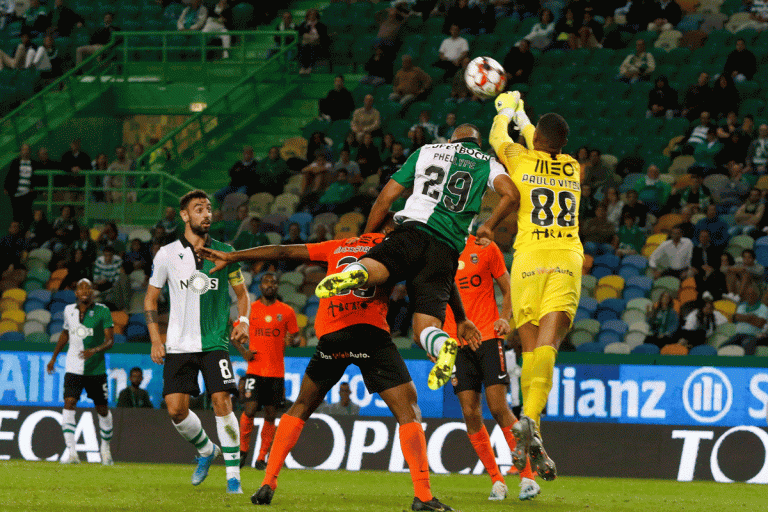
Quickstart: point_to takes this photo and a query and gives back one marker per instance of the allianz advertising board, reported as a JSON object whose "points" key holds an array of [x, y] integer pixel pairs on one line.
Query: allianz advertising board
{"points": [[631, 394]]}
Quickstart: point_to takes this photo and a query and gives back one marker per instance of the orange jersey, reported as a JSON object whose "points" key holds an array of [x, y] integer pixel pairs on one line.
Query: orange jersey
{"points": [[361, 306], [478, 267], [269, 326]]}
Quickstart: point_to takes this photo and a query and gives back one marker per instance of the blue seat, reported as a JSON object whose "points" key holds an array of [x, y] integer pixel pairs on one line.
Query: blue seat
{"points": [[702, 350], [646, 348], [601, 271], [642, 282], [635, 260], [610, 261], [57, 316], [136, 332], [633, 292], [581, 314], [311, 310], [55, 327], [761, 250], [43, 296], [606, 337], [628, 272], [56, 307], [618, 326], [65, 296], [120, 338], [33, 305], [303, 219], [629, 181], [588, 304], [254, 287], [137, 319], [12, 336], [604, 315], [591, 347], [615, 305]]}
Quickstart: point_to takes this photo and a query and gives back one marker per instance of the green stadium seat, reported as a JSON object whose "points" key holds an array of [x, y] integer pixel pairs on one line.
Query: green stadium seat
{"points": [[748, 89], [752, 106], [242, 16]]}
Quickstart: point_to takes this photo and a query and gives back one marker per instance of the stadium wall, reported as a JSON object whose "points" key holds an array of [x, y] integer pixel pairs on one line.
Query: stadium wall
{"points": [[343, 442]]}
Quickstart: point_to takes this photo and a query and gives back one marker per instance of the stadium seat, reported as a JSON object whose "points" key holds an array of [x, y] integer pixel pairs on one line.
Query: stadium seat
{"points": [[641, 327], [731, 351], [760, 351], [8, 304], [11, 336], [628, 271], [41, 254], [581, 337], [39, 315], [631, 316], [15, 294], [617, 326], [614, 281], [702, 350], [137, 319], [646, 349], [589, 283], [304, 220], [726, 307], [55, 326], [294, 278], [13, 315], [618, 347], [37, 337], [591, 348], [674, 349], [670, 283], [589, 325], [606, 292], [588, 304], [65, 296], [607, 337], [634, 339], [135, 332], [727, 329], [34, 326]]}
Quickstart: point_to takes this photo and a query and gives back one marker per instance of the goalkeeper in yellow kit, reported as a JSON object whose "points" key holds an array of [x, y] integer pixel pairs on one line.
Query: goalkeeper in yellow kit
{"points": [[546, 271]]}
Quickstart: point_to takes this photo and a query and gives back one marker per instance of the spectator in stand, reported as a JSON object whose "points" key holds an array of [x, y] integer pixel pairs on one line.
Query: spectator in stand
{"points": [[75, 162], [110, 236], [12, 247], [518, 63], [737, 188], [315, 174], [613, 34], [45, 59], [706, 153], [86, 244], [68, 224], [392, 164], [662, 100], [705, 261], [727, 126], [345, 406], [77, 268], [44, 161], [133, 396], [485, 15], [234, 227], [700, 324], [368, 156], [251, 238], [136, 151], [459, 90], [321, 142], [542, 33], [639, 65], [758, 13], [410, 83], [630, 239], [614, 205], [741, 64], [113, 184], [749, 215], [64, 20], [319, 234], [425, 121], [20, 184], [757, 155], [134, 256], [386, 145], [313, 40], [662, 321], [727, 96], [352, 168], [711, 282], [452, 51], [272, 172], [597, 175], [595, 28], [740, 277], [583, 38], [365, 119], [390, 22], [635, 208], [220, 20], [698, 134], [461, 15], [652, 191], [672, 257], [20, 53], [751, 317], [170, 226], [193, 17], [338, 104], [337, 196], [38, 231], [99, 39], [698, 98], [695, 196], [664, 15], [597, 233], [294, 236], [379, 69], [35, 18], [241, 175], [588, 203], [565, 28], [106, 269], [718, 230], [445, 130], [286, 24], [418, 140]]}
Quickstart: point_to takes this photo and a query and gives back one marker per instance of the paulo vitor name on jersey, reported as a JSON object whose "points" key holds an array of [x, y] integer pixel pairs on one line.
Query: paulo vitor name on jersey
{"points": [[200, 283]]}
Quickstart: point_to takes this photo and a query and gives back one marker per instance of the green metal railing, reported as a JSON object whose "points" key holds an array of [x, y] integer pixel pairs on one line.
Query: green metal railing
{"points": [[138, 198], [245, 100]]}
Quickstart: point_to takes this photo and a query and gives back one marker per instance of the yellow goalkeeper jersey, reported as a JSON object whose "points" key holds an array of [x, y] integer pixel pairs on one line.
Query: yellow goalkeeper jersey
{"points": [[550, 191]]}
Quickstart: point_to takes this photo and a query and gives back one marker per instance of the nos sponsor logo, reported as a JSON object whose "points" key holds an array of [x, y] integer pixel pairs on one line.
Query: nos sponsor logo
{"points": [[200, 283]]}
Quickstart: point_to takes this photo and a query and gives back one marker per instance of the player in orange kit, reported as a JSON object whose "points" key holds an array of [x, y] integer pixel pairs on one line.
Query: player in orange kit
{"points": [[271, 324], [479, 266], [352, 329]]}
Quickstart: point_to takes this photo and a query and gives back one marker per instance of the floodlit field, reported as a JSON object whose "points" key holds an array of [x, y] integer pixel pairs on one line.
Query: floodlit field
{"points": [[49, 487]]}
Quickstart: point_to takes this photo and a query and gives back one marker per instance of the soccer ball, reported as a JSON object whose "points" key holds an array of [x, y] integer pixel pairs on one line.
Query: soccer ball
{"points": [[485, 77]]}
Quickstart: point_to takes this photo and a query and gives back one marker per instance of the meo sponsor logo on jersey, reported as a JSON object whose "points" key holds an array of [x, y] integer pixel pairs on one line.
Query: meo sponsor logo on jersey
{"points": [[474, 281], [200, 283]]}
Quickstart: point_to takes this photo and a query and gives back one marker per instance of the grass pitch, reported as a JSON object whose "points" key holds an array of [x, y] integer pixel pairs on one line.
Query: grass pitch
{"points": [[51, 487]]}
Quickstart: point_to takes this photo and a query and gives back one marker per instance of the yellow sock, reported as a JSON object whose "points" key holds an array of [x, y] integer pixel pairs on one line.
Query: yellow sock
{"points": [[526, 374], [541, 382]]}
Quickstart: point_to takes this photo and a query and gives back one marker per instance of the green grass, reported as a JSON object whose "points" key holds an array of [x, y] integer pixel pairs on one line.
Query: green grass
{"points": [[51, 487]]}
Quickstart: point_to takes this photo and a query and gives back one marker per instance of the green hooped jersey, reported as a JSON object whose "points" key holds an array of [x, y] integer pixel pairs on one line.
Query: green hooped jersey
{"points": [[199, 300], [449, 181], [84, 335]]}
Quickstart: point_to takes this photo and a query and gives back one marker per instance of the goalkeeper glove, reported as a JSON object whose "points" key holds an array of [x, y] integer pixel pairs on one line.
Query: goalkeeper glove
{"points": [[510, 105]]}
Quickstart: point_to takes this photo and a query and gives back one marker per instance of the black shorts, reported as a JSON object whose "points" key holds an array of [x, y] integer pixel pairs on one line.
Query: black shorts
{"points": [[484, 367], [426, 264], [95, 386], [264, 390], [366, 346], [180, 373]]}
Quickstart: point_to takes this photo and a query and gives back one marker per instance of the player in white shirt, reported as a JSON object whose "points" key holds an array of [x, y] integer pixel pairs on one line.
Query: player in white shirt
{"points": [[198, 336], [88, 330]]}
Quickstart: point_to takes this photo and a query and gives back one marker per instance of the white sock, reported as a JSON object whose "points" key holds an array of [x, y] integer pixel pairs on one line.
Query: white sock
{"points": [[229, 437], [105, 429], [432, 340], [68, 429], [355, 266], [191, 429]]}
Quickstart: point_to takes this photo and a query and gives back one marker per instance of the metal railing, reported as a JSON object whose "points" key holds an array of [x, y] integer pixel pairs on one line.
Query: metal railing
{"points": [[132, 197], [249, 96]]}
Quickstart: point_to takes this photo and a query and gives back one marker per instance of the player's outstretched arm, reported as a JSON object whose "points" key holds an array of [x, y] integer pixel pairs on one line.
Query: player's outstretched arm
{"points": [[509, 202], [264, 253], [391, 191], [63, 340], [150, 312]]}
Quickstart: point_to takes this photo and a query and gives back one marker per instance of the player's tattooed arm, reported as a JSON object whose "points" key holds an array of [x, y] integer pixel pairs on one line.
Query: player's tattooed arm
{"points": [[151, 316]]}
